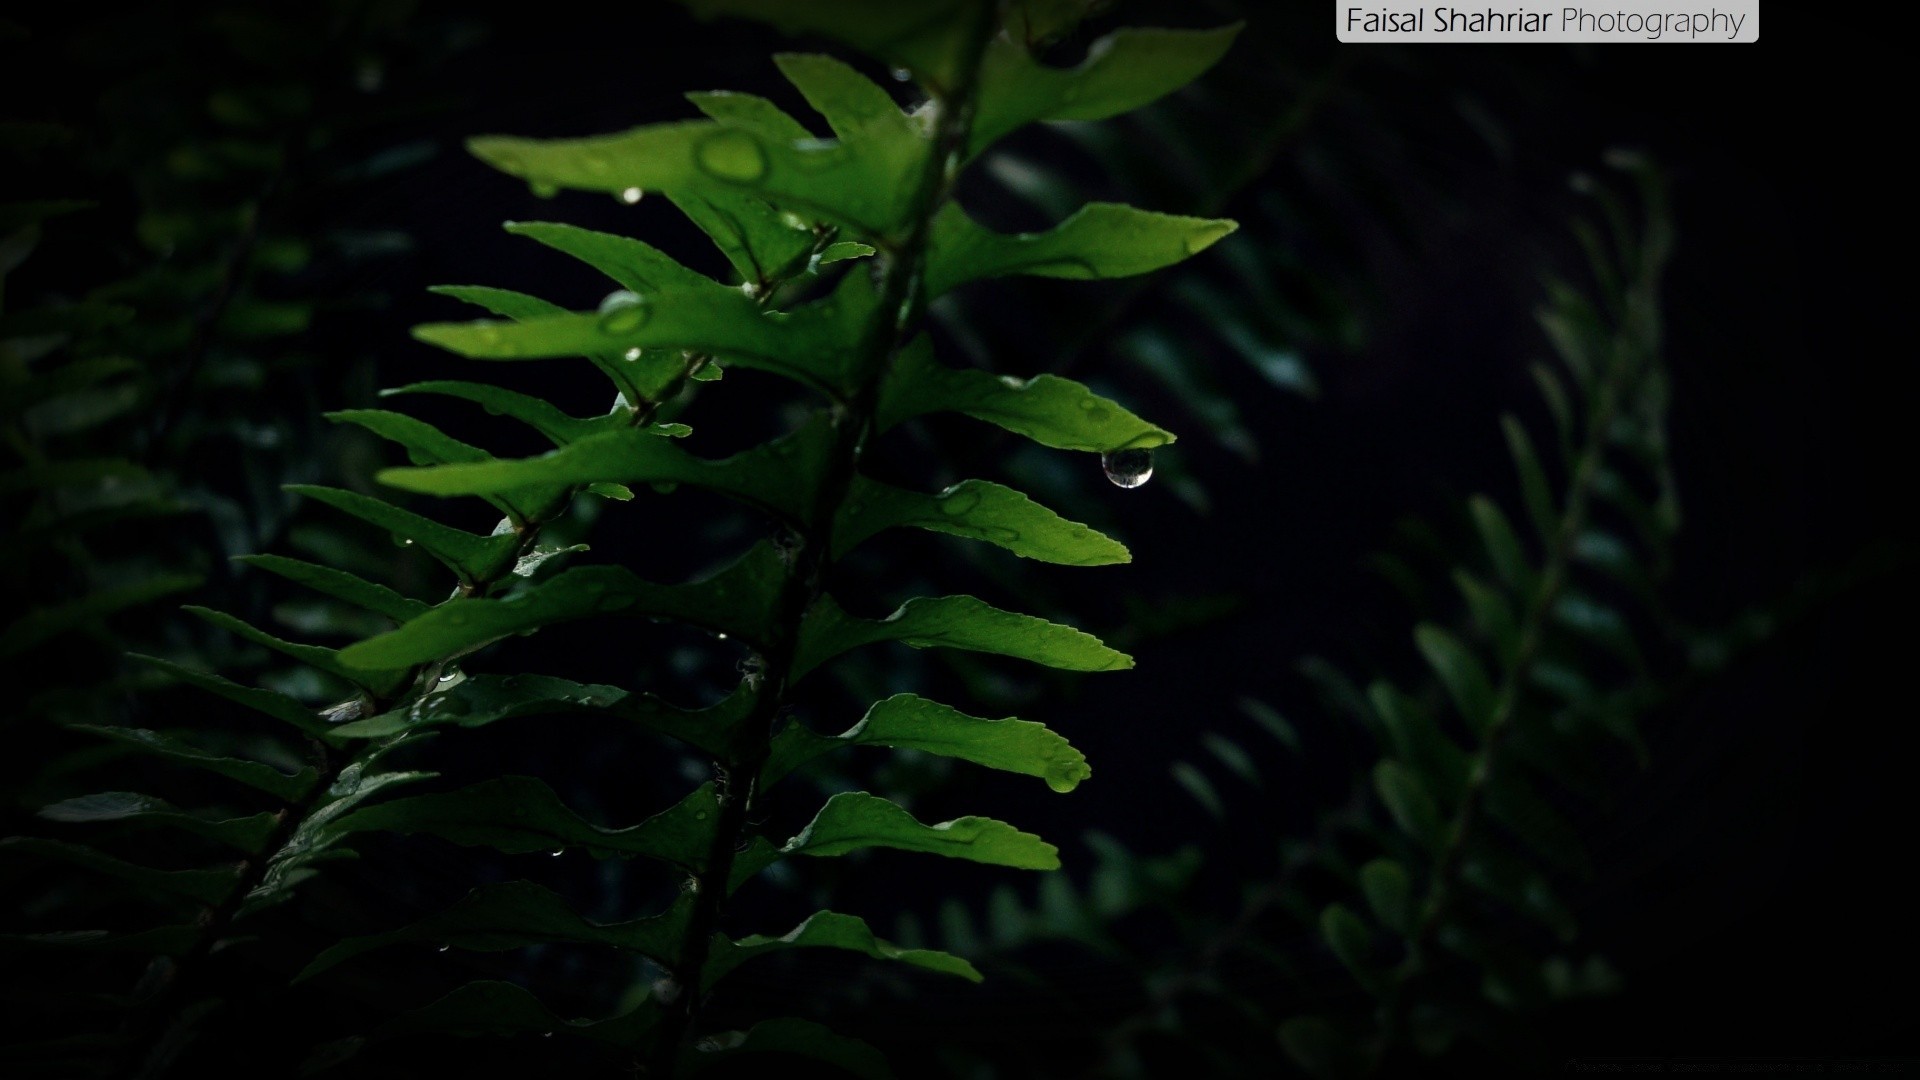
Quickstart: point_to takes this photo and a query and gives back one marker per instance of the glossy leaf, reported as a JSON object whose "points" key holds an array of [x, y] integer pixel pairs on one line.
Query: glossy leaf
{"points": [[272, 703], [978, 510], [1051, 411], [640, 376], [1100, 240], [912, 722], [340, 585], [811, 344], [480, 700], [778, 477], [762, 242], [549, 420], [831, 930], [861, 113], [377, 680], [953, 622], [1122, 71], [472, 558], [864, 187], [853, 820], [738, 600], [633, 264]]}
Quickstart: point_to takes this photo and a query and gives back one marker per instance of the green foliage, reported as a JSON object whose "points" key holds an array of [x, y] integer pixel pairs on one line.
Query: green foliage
{"points": [[1438, 899], [1542, 675], [840, 242]]}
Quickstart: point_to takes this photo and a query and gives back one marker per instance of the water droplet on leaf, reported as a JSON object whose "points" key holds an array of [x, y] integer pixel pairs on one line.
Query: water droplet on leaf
{"points": [[631, 195], [631, 355], [958, 500], [732, 155], [1128, 468], [623, 312]]}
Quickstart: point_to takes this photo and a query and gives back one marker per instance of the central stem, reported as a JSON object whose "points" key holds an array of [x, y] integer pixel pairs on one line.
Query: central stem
{"points": [[901, 300]]}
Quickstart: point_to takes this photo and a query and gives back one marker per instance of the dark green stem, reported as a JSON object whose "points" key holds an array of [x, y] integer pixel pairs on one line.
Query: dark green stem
{"points": [[901, 302], [1487, 757]]}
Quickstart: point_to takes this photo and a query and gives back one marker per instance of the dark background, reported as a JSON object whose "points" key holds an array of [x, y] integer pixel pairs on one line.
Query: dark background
{"points": [[1754, 881]]}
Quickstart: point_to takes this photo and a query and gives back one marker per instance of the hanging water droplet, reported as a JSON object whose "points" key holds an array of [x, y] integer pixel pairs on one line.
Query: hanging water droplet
{"points": [[732, 155], [631, 355], [403, 541], [1064, 776], [720, 636], [632, 195], [1128, 468]]}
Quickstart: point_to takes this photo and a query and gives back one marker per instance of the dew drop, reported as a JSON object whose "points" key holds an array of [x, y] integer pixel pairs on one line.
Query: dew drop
{"points": [[720, 637], [403, 541], [443, 948], [632, 195], [631, 355], [958, 500], [556, 852], [1064, 776], [623, 312], [732, 155], [902, 74], [1128, 468]]}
